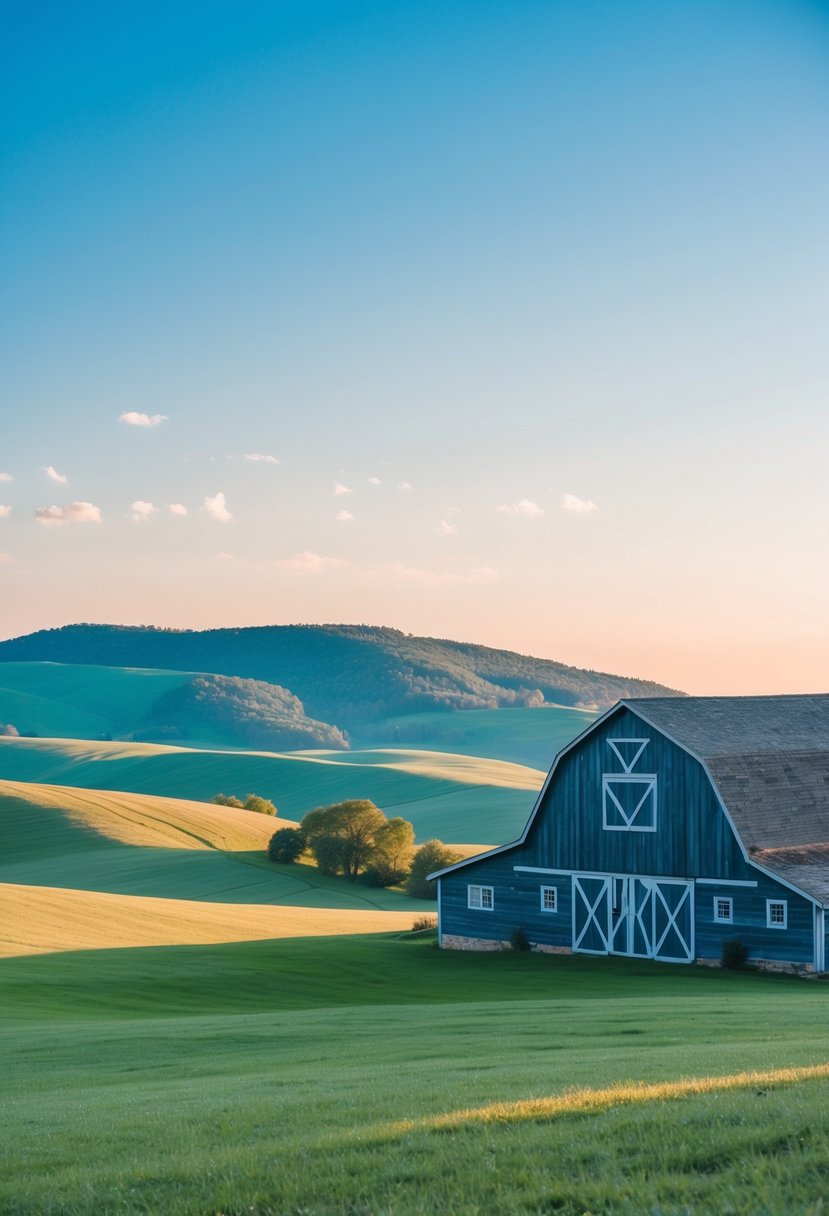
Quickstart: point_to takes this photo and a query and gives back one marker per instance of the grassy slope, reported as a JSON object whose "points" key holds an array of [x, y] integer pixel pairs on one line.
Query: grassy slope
{"points": [[446, 796], [521, 736], [159, 848], [80, 701], [272, 1077]]}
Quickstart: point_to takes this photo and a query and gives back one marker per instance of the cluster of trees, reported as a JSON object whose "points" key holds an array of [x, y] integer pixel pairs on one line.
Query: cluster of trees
{"points": [[355, 839], [252, 713], [253, 802], [8, 730]]}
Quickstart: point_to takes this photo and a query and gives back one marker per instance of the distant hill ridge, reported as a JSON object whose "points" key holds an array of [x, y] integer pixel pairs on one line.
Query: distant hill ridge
{"points": [[343, 674]]}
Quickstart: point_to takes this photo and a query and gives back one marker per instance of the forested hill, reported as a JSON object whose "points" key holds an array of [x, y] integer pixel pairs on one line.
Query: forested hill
{"points": [[342, 673]]}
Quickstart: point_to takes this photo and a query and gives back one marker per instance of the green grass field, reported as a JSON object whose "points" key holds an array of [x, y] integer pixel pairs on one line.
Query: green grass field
{"points": [[80, 701], [456, 798], [316, 1077], [521, 736]]}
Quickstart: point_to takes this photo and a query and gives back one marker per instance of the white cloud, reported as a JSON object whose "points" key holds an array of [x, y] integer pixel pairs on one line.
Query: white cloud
{"points": [[525, 508], [259, 457], [142, 510], [404, 485], [178, 508], [216, 508], [54, 475], [344, 517], [313, 563], [75, 513], [6, 477], [5, 510], [374, 481], [339, 488], [581, 506], [133, 418], [444, 528], [438, 578]]}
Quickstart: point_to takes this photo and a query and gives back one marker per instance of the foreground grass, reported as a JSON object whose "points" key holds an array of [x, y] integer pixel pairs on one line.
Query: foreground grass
{"points": [[349, 1077]]}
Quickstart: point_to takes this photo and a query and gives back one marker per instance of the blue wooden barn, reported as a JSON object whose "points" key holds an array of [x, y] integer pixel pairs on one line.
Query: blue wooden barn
{"points": [[670, 826]]}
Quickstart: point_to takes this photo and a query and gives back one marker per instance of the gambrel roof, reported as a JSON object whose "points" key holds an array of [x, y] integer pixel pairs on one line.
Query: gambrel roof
{"points": [[768, 758]]}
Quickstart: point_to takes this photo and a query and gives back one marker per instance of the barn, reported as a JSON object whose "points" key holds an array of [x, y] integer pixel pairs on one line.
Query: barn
{"points": [[670, 826]]}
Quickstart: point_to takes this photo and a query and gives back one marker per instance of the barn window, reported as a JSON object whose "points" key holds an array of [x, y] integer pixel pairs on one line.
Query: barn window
{"points": [[724, 910], [480, 897], [777, 913], [549, 899], [628, 802]]}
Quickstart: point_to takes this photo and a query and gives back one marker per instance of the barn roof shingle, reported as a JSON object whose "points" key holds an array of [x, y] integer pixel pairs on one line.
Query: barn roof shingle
{"points": [[769, 759]]}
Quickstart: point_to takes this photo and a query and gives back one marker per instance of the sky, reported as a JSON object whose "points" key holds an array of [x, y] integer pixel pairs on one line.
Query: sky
{"points": [[497, 321]]}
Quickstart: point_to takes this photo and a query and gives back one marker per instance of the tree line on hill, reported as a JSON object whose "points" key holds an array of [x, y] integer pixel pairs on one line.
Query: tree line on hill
{"points": [[344, 674], [355, 839]]}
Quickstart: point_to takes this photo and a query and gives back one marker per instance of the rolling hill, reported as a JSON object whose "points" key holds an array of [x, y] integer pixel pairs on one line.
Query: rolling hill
{"points": [[79, 701], [457, 798], [347, 675]]}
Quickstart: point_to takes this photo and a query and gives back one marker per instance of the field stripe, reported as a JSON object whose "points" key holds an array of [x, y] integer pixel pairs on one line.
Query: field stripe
{"points": [[593, 1101], [47, 920]]}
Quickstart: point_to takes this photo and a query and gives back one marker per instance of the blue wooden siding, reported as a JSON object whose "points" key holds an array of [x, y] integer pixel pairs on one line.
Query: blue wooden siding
{"points": [[693, 839]]}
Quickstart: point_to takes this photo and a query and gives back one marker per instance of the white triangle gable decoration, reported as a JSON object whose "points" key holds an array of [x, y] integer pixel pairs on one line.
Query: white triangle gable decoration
{"points": [[628, 751]]}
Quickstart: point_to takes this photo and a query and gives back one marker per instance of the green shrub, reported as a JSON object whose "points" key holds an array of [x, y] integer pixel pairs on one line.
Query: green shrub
{"points": [[228, 800], [734, 954], [262, 806], [432, 855], [286, 845], [421, 923]]}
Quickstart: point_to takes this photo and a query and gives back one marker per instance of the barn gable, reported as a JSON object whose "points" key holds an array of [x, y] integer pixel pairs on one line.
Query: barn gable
{"points": [[659, 813]]}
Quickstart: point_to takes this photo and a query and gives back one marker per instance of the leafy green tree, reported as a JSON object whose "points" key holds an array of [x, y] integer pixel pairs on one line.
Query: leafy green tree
{"points": [[432, 855], [342, 836], [228, 800], [286, 845], [262, 806], [392, 853]]}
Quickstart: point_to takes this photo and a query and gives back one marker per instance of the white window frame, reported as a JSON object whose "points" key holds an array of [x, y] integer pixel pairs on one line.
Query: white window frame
{"points": [[480, 905], [628, 823], [723, 920], [777, 924], [546, 907]]}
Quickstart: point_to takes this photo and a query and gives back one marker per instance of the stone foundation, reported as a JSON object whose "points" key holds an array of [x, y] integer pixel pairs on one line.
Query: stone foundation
{"points": [[772, 966], [453, 941]]}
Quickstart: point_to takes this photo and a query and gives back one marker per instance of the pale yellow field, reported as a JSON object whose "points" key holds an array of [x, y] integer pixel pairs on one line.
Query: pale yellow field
{"points": [[149, 820], [41, 920]]}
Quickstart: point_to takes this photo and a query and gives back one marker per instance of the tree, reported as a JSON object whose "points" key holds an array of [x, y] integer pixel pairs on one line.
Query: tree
{"points": [[342, 836], [262, 806], [286, 845], [391, 856], [432, 855], [10, 731], [228, 800]]}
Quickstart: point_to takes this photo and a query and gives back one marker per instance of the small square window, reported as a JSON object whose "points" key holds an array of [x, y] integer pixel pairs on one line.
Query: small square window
{"points": [[777, 913], [549, 899], [724, 910], [480, 897]]}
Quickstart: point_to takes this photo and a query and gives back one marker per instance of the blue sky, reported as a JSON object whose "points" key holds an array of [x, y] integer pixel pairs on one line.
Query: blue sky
{"points": [[505, 259]]}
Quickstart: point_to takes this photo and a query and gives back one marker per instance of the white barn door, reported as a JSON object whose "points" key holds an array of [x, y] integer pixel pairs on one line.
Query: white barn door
{"points": [[636, 917]]}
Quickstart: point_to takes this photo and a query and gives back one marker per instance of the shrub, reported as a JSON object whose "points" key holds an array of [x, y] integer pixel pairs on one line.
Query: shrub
{"points": [[228, 800], [734, 954], [421, 923], [10, 731], [432, 855], [286, 845], [382, 876], [519, 940], [262, 806]]}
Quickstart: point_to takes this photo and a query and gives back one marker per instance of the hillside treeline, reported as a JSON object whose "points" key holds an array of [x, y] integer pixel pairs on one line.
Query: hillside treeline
{"points": [[346, 674], [249, 713]]}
